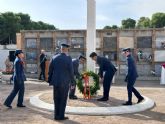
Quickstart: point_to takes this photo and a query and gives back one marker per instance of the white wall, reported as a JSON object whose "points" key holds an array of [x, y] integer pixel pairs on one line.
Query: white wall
{"points": [[3, 56], [10, 47], [4, 53], [159, 56]]}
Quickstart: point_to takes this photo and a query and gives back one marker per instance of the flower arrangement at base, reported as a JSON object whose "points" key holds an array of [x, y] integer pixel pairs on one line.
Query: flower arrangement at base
{"points": [[94, 85]]}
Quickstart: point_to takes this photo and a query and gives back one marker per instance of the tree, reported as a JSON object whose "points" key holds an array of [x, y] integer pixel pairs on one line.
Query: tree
{"points": [[3, 33], [158, 20], [128, 23], [11, 23], [107, 27], [41, 26], [25, 21], [45, 26], [10, 26], [144, 22], [114, 27], [111, 27]]}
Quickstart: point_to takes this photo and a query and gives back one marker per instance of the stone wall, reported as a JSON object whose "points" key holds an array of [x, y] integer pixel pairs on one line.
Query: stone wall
{"points": [[146, 47]]}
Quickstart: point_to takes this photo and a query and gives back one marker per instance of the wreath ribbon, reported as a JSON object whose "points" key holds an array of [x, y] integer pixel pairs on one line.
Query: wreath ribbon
{"points": [[87, 88]]}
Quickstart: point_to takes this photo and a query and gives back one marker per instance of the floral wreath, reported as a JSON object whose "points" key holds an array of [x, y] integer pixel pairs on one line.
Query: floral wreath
{"points": [[93, 88]]}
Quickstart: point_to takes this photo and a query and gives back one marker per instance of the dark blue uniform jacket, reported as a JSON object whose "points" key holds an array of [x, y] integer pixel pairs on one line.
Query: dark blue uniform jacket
{"points": [[75, 67], [60, 70], [105, 66], [132, 71], [19, 74]]}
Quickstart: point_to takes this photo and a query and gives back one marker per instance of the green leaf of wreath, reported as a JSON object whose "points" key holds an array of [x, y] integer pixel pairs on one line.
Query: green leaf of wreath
{"points": [[94, 87]]}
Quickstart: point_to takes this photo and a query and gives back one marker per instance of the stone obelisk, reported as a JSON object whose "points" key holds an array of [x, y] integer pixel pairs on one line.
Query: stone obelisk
{"points": [[91, 33]]}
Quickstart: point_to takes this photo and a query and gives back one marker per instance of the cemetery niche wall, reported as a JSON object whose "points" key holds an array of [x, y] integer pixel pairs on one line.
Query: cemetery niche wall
{"points": [[147, 45], [31, 55]]}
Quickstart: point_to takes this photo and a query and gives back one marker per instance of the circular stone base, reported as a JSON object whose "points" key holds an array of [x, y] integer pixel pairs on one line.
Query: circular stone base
{"points": [[145, 105], [81, 102]]}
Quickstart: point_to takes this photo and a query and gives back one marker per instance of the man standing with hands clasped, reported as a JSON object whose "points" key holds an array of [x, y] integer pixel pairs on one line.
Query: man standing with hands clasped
{"points": [[131, 77], [60, 76], [42, 65]]}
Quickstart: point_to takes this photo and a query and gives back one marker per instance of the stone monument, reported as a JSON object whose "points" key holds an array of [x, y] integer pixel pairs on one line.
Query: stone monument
{"points": [[91, 33]]}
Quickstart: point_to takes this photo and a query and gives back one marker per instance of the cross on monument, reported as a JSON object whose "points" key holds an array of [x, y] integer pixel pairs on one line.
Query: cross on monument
{"points": [[91, 33]]}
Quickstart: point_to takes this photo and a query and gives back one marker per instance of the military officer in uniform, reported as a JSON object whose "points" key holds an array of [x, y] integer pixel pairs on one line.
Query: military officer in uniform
{"points": [[42, 65], [131, 77], [19, 78], [104, 66], [76, 62], [60, 76]]}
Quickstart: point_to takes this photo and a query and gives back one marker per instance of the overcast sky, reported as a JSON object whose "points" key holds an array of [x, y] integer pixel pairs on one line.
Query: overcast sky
{"points": [[71, 14]]}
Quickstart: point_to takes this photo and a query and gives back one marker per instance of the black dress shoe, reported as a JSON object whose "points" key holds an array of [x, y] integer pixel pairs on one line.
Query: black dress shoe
{"points": [[9, 106], [21, 106], [127, 103], [73, 97], [140, 100], [59, 119], [102, 99], [65, 118]]}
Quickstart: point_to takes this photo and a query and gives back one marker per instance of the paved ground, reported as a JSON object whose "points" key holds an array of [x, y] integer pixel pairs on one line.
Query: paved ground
{"points": [[31, 115]]}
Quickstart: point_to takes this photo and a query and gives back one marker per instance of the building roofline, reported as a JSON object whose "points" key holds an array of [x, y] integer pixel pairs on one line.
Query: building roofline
{"points": [[66, 30]]}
